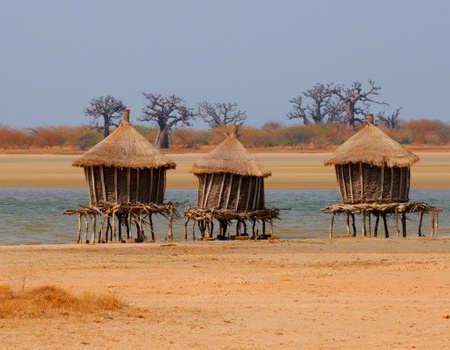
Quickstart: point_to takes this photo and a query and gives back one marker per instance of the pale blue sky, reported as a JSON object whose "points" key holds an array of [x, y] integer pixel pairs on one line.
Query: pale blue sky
{"points": [[59, 54]]}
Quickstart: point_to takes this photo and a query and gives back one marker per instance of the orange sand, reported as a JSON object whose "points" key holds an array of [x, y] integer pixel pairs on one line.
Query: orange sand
{"points": [[312, 294]]}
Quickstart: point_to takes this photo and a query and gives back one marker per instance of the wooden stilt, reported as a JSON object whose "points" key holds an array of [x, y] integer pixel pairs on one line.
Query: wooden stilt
{"points": [[432, 224], [79, 228], [397, 231], [436, 222], [152, 229], [347, 222], [403, 224], [377, 221], [331, 225], [386, 230], [353, 225], [86, 229], [364, 230], [169, 229], [419, 232], [185, 228], [94, 227]]}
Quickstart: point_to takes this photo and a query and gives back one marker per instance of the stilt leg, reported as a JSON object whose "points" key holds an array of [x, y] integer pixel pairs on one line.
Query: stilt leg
{"points": [[386, 230], [331, 225], [419, 232]]}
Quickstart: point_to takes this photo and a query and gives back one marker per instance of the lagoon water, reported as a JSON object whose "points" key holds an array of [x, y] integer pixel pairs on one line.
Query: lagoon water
{"points": [[34, 216]]}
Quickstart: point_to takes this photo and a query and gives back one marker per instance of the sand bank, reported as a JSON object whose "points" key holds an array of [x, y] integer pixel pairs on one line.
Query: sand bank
{"points": [[289, 171], [311, 294]]}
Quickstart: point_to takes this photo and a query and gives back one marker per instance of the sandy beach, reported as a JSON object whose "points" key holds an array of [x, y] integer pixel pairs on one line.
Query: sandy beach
{"points": [[346, 293], [311, 294]]}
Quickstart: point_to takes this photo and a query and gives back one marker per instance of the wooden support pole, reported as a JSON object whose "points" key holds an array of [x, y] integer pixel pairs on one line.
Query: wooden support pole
{"points": [[169, 230], [370, 225], [152, 229], [353, 225], [419, 232], [377, 221], [397, 231], [114, 229], [86, 228], [94, 227], [364, 230], [185, 229], [403, 224], [432, 223], [436, 223], [347, 223], [79, 227], [386, 230], [331, 225]]}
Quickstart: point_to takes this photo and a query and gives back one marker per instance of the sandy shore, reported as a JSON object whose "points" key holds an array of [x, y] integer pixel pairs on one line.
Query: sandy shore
{"points": [[290, 171], [311, 294]]}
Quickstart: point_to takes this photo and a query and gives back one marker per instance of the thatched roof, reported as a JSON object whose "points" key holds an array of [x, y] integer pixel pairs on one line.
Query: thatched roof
{"points": [[125, 147], [230, 157], [372, 146]]}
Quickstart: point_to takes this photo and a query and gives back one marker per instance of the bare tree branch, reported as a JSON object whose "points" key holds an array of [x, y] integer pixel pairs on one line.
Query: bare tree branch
{"points": [[106, 107], [167, 112], [390, 121], [221, 114]]}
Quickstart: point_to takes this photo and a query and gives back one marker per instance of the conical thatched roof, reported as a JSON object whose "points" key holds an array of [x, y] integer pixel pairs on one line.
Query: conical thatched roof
{"points": [[372, 146], [230, 157], [125, 147]]}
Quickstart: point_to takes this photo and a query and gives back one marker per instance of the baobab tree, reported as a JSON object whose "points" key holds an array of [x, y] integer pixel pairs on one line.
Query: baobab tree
{"points": [[353, 101], [221, 114], [167, 112], [391, 120], [108, 108], [319, 111]]}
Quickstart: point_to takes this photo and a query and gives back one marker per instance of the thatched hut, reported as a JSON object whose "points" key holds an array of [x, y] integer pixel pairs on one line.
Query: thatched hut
{"points": [[231, 186], [125, 168], [230, 178], [373, 173], [372, 167], [126, 177]]}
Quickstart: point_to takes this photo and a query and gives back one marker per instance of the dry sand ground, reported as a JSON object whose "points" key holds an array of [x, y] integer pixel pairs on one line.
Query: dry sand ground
{"points": [[311, 294]]}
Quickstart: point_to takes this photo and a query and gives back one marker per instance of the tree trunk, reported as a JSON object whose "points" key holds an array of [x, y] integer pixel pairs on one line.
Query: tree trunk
{"points": [[162, 139], [106, 126]]}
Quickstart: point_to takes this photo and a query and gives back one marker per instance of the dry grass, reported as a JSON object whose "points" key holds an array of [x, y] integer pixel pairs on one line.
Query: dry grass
{"points": [[49, 301]]}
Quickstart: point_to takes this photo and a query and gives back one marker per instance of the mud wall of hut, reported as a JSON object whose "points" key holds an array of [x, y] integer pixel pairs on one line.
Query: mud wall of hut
{"points": [[126, 185], [232, 192], [363, 183]]}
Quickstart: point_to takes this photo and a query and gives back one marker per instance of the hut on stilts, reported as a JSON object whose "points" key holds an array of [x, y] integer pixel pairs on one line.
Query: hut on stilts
{"points": [[373, 174], [230, 188], [126, 177]]}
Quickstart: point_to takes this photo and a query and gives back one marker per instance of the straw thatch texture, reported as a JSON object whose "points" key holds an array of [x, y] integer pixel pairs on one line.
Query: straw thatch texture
{"points": [[230, 157], [372, 146], [125, 168], [125, 147], [372, 167], [230, 178]]}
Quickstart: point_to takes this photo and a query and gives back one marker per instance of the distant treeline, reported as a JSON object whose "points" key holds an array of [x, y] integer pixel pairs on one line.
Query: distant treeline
{"points": [[271, 134]]}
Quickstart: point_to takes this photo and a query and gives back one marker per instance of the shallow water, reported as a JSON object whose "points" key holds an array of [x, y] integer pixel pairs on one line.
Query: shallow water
{"points": [[34, 216]]}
